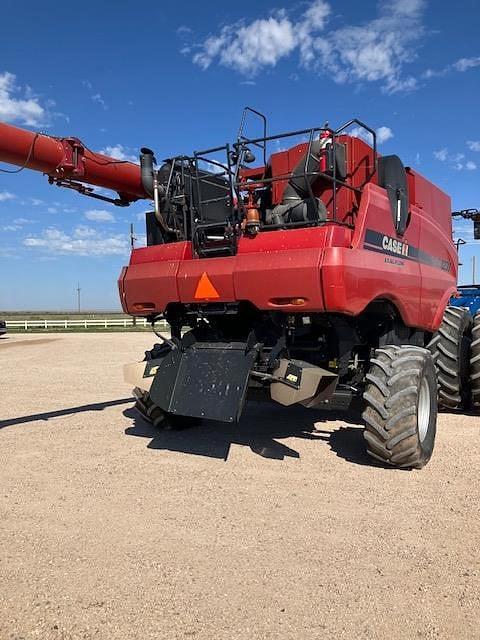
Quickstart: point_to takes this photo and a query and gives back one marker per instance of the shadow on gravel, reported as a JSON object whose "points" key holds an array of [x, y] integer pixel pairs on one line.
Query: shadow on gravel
{"points": [[97, 406], [24, 343], [259, 429]]}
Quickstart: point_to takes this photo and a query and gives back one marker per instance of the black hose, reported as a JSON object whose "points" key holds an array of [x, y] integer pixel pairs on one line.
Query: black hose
{"points": [[297, 204], [297, 187]]}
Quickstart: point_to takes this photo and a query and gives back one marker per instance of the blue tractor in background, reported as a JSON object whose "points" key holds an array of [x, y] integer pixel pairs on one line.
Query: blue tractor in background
{"points": [[469, 297]]}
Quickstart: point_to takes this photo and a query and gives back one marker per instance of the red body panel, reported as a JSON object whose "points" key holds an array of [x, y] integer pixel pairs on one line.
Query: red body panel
{"points": [[332, 267], [355, 276]]}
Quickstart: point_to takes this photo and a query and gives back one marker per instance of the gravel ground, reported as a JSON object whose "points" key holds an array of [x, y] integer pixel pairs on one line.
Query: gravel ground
{"points": [[276, 528]]}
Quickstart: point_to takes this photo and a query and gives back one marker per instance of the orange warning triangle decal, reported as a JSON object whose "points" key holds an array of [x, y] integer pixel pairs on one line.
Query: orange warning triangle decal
{"points": [[205, 288]]}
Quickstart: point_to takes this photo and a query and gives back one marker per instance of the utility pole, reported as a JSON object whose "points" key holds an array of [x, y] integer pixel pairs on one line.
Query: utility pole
{"points": [[132, 246], [78, 296], [474, 269]]}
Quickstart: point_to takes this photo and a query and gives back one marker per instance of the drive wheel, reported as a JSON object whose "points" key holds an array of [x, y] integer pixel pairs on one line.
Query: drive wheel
{"points": [[401, 406], [475, 362], [450, 348]]}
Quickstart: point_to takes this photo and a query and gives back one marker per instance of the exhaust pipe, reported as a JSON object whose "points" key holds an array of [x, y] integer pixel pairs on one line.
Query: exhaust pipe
{"points": [[146, 169], [152, 187]]}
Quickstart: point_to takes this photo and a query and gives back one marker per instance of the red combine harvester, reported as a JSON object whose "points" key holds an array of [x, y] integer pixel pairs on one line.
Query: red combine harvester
{"points": [[321, 277]]}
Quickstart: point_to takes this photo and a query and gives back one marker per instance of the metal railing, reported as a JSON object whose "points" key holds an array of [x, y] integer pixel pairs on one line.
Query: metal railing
{"points": [[103, 323]]}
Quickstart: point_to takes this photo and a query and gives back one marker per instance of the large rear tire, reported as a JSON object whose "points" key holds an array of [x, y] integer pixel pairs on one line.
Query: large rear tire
{"points": [[450, 348], [401, 406], [475, 362]]}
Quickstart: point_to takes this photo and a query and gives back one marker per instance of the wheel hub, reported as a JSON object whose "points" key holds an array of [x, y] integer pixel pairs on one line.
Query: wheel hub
{"points": [[423, 411]]}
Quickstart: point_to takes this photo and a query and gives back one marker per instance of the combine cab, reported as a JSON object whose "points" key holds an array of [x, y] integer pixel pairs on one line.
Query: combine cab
{"points": [[319, 274]]}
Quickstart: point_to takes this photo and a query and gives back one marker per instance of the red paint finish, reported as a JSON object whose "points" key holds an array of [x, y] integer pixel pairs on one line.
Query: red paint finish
{"points": [[55, 157], [355, 276], [170, 251], [262, 278], [150, 283], [436, 237], [330, 267]]}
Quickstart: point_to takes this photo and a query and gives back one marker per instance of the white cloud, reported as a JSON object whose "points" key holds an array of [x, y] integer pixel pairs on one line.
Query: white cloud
{"points": [[183, 30], [383, 134], [11, 227], [461, 65], [6, 252], [99, 215], [22, 221], [82, 231], [6, 195], [83, 241], [464, 64], [97, 97], [473, 145], [456, 160], [17, 104], [441, 155], [119, 152], [248, 48], [52, 210], [374, 51]]}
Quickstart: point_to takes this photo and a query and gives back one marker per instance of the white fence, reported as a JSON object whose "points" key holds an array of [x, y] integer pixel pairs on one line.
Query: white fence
{"points": [[103, 323]]}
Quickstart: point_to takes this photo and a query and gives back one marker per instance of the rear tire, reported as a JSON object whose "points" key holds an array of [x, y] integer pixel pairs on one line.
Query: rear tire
{"points": [[475, 362], [450, 348], [401, 407]]}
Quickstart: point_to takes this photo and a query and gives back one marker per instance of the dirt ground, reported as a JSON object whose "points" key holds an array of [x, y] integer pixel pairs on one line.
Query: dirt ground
{"points": [[278, 528]]}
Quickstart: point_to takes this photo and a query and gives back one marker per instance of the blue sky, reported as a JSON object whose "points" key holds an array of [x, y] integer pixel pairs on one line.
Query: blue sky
{"points": [[174, 77]]}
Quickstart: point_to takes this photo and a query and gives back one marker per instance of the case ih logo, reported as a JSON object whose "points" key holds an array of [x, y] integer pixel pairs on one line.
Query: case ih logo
{"points": [[375, 241], [395, 246]]}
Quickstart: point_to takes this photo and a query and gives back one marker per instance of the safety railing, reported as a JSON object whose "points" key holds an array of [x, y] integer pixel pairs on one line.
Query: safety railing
{"points": [[235, 155]]}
